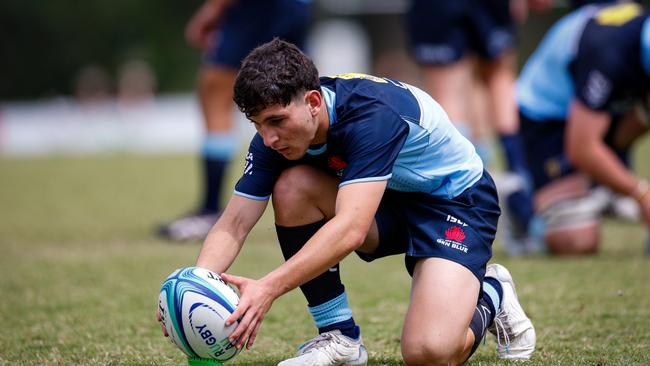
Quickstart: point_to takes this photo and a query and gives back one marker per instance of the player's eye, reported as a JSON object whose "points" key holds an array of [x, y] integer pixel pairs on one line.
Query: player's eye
{"points": [[275, 121]]}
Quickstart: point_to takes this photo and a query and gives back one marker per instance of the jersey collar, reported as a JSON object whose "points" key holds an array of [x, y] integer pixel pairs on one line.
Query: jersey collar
{"points": [[645, 46], [330, 100]]}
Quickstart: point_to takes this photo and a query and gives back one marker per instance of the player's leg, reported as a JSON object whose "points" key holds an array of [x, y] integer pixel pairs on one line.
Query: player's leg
{"points": [[571, 215], [494, 39], [438, 44], [219, 145], [217, 149], [303, 200], [442, 303]]}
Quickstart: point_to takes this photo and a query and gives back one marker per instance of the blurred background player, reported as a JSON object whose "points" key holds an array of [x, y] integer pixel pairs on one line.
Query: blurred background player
{"points": [[458, 43], [583, 101], [227, 30]]}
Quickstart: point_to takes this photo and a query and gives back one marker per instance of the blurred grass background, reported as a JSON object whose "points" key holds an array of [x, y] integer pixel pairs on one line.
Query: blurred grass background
{"points": [[80, 272]]}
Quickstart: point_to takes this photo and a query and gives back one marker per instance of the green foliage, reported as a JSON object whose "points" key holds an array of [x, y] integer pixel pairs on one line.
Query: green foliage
{"points": [[44, 43], [80, 276]]}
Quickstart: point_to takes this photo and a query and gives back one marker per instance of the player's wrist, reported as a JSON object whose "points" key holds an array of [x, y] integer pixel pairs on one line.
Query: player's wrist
{"points": [[642, 191]]}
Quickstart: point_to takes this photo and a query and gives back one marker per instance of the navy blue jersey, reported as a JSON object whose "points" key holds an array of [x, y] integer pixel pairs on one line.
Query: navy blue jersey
{"points": [[608, 68], [380, 129], [597, 54]]}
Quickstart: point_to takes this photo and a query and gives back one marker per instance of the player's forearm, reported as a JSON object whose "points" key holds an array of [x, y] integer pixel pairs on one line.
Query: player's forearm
{"points": [[601, 164], [227, 237], [219, 251]]}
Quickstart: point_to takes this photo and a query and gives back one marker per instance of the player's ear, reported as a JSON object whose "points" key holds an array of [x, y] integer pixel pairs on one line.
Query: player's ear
{"points": [[314, 99]]}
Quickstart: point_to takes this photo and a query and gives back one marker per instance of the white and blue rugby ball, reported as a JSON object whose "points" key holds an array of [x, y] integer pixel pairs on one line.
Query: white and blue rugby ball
{"points": [[194, 304]]}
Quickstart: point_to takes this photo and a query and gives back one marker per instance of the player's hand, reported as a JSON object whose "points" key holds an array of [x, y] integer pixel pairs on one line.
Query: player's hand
{"points": [[159, 318], [642, 196], [199, 31], [645, 209], [255, 301], [540, 5]]}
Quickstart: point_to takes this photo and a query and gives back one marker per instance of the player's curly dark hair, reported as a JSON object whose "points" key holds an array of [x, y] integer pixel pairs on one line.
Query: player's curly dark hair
{"points": [[273, 73]]}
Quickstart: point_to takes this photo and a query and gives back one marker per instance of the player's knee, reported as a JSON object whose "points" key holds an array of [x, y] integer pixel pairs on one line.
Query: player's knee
{"points": [[296, 182], [574, 241], [573, 226], [296, 187], [430, 351]]}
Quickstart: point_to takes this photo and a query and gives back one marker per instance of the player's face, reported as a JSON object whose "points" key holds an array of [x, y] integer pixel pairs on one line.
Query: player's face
{"points": [[288, 129]]}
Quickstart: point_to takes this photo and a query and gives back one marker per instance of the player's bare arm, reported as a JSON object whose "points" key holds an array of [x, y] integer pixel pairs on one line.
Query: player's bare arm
{"points": [[226, 238], [203, 21], [355, 208], [587, 150]]}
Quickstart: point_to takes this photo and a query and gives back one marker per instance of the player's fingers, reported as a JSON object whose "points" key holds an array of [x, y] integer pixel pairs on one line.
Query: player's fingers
{"points": [[253, 335], [235, 280], [158, 314], [246, 338], [164, 330], [239, 312], [241, 332]]}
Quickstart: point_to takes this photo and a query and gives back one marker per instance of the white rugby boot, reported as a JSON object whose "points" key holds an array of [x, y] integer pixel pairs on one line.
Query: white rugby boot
{"points": [[187, 228], [330, 349], [513, 329]]}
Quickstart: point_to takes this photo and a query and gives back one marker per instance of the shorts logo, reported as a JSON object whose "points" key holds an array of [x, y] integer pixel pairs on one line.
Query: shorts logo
{"points": [[454, 239], [455, 233], [454, 220]]}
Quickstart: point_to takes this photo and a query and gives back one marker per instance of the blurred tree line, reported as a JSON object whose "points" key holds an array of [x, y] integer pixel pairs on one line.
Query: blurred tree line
{"points": [[45, 43]]}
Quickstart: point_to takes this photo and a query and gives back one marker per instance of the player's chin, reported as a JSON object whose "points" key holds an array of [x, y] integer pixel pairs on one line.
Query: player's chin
{"points": [[291, 154]]}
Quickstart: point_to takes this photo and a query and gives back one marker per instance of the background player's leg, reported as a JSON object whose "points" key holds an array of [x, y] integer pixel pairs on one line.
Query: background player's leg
{"points": [[218, 147]]}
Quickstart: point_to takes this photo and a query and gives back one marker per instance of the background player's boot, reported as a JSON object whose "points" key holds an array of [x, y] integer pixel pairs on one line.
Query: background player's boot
{"points": [[513, 329], [329, 349], [190, 227]]}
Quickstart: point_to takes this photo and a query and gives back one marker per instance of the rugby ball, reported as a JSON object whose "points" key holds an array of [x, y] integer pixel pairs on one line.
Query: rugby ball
{"points": [[194, 304]]}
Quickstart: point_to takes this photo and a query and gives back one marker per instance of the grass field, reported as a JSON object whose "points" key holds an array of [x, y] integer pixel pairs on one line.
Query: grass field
{"points": [[80, 272]]}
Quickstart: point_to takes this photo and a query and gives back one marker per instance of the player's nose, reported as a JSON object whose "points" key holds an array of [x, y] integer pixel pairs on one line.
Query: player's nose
{"points": [[269, 137]]}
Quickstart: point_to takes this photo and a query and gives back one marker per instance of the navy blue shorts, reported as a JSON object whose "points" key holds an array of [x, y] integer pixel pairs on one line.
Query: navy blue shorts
{"points": [[251, 23], [460, 229], [543, 143], [442, 31]]}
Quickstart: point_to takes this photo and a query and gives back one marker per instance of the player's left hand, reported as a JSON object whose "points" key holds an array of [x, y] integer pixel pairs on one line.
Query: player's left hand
{"points": [[255, 301]]}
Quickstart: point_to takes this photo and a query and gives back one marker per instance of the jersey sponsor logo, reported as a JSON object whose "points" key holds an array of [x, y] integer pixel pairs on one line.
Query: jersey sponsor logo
{"points": [[597, 88], [356, 75], [376, 79], [248, 166], [455, 220], [454, 239], [619, 14], [338, 164]]}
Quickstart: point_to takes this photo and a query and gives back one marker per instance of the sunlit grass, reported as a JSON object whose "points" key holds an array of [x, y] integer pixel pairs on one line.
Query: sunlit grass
{"points": [[80, 272]]}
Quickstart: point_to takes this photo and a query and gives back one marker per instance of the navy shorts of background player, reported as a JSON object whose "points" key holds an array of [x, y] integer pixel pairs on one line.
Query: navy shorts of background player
{"points": [[243, 28], [439, 200], [442, 31], [599, 55]]}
